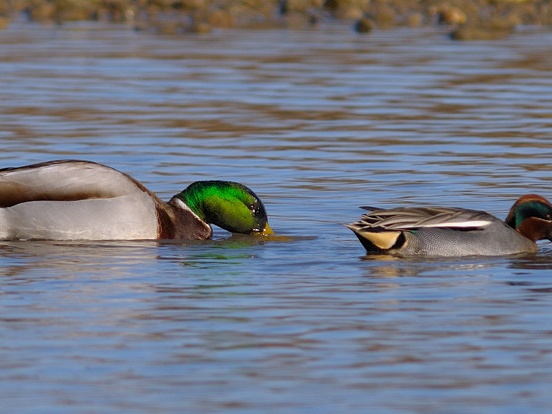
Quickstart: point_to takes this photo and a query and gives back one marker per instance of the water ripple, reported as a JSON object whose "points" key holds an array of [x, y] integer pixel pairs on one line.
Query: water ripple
{"points": [[318, 123]]}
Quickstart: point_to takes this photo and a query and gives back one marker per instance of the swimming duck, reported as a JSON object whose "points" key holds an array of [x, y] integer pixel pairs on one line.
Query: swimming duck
{"points": [[83, 200], [444, 231]]}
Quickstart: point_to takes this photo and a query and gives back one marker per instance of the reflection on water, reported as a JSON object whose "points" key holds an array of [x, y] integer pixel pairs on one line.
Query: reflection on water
{"points": [[317, 123]]}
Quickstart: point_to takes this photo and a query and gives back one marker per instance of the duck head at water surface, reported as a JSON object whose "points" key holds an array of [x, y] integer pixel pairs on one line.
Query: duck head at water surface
{"points": [[445, 231], [82, 200], [531, 215]]}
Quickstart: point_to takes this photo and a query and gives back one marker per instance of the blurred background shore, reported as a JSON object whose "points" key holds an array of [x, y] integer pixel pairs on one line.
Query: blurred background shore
{"points": [[467, 19]]}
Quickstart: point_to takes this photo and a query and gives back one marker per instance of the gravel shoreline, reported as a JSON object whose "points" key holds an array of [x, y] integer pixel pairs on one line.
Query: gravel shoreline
{"points": [[467, 19]]}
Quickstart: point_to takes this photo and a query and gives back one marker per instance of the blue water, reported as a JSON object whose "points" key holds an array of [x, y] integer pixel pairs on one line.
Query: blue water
{"points": [[317, 123]]}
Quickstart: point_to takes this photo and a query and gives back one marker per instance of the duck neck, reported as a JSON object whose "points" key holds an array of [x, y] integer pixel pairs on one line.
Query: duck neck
{"points": [[197, 197]]}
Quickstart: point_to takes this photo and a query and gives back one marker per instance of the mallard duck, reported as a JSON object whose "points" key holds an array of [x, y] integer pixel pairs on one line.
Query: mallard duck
{"points": [[444, 231], [83, 200]]}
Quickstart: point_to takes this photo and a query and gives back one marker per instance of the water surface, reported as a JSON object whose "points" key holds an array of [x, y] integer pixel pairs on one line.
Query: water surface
{"points": [[317, 123]]}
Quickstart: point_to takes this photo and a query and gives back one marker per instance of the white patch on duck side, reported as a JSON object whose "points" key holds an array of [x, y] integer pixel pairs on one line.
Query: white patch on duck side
{"points": [[126, 217], [461, 224]]}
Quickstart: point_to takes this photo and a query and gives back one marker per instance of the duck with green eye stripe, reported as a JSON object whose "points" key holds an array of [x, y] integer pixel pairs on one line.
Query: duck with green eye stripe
{"points": [[83, 200], [445, 231]]}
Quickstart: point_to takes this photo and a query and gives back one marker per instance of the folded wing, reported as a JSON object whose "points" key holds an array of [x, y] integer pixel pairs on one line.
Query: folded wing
{"points": [[411, 218], [64, 181]]}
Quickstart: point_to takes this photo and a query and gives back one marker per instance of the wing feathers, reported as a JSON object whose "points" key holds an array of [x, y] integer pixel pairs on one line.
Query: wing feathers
{"points": [[424, 217], [64, 181]]}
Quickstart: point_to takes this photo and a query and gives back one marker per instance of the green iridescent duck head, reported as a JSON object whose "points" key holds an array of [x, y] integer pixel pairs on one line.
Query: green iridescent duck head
{"points": [[229, 205]]}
